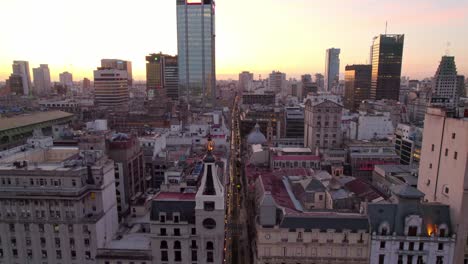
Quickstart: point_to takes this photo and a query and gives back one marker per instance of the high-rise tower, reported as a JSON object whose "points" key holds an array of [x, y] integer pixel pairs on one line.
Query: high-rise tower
{"points": [[21, 68], [196, 51], [444, 86], [332, 68], [162, 76], [42, 83], [387, 54]]}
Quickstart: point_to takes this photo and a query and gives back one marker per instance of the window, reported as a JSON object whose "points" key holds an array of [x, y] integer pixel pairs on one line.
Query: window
{"points": [[208, 206], [455, 155], [446, 152], [381, 259], [432, 147], [411, 246], [446, 189], [72, 242], [70, 228], [43, 241], [28, 241], [13, 242], [440, 246], [421, 246], [177, 245], [29, 253], [442, 232], [176, 219], [402, 245], [73, 254], [209, 245], [26, 227], [177, 256], [163, 244], [320, 197], [384, 231], [15, 253], [430, 165], [440, 260], [164, 255], [382, 244], [162, 218], [87, 254], [44, 254], [86, 242], [194, 231], [59, 254], [194, 255], [412, 231], [410, 258], [57, 242], [163, 232], [176, 232], [209, 256], [400, 259], [12, 227], [453, 135]]}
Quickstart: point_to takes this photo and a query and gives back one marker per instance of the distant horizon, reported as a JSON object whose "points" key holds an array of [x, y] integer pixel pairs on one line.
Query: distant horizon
{"points": [[260, 42]]}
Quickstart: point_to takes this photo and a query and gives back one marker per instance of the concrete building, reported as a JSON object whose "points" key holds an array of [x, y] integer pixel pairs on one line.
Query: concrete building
{"points": [[332, 69], [461, 91], [386, 57], [58, 204], [322, 124], [357, 85], [111, 89], [86, 85], [42, 84], [409, 231], [162, 77], [385, 177], [444, 87], [119, 64], [244, 78], [21, 68], [364, 155], [373, 126], [294, 122], [130, 179], [277, 82], [319, 81], [267, 98], [188, 227], [66, 79], [196, 50], [14, 84], [408, 142], [443, 170]]}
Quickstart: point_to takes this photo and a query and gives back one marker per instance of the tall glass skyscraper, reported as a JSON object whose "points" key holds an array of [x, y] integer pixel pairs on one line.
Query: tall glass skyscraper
{"points": [[196, 51], [386, 54], [332, 69]]}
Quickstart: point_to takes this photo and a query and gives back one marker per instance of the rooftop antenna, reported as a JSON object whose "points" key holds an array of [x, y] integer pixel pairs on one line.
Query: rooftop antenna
{"points": [[385, 27], [447, 50]]}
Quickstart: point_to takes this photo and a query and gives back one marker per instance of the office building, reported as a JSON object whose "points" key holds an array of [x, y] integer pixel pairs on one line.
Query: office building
{"points": [[332, 69], [443, 170], [130, 180], [58, 203], [15, 84], [410, 231], [444, 87], [162, 77], [118, 64], [320, 81], [308, 86], [461, 92], [41, 77], [387, 54], [277, 82], [408, 141], [111, 89], [244, 78], [21, 68], [294, 122], [196, 51], [322, 123], [86, 84], [357, 85], [66, 79]]}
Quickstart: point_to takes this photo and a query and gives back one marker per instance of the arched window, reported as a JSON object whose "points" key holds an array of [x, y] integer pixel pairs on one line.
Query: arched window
{"points": [[176, 244], [163, 244], [209, 245]]}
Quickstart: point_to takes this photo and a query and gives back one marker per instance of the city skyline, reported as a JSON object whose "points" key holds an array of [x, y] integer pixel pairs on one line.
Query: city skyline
{"points": [[260, 42]]}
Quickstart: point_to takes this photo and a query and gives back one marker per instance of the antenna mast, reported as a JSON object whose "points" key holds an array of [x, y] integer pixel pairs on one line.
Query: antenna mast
{"points": [[385, 27]]}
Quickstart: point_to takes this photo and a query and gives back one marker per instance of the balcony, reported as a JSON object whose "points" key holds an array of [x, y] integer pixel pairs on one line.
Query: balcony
{"points": [[412, 252]]}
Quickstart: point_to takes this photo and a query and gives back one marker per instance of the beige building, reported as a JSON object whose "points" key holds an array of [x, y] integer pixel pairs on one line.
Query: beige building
{"points": [[322, 124], [443, 170]]}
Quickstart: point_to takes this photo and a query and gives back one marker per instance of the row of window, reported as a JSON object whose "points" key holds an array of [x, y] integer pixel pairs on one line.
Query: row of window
{"points": [[44, 254], [409, 259], [41, 228], [34, 182]]}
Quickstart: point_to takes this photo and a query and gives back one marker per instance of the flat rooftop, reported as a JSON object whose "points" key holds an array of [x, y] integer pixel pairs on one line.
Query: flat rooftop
{"points": [[7, 123]]}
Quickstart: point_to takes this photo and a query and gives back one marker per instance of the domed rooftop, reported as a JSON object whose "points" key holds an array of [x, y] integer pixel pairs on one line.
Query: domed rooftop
{"points": [[256, 137]]}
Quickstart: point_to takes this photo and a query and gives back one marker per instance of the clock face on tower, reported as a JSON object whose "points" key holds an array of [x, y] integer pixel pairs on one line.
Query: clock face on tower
{"points": [[209, 223]]}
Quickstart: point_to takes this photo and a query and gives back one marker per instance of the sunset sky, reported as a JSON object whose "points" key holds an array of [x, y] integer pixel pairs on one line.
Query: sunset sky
{"points": [[255, 35]]}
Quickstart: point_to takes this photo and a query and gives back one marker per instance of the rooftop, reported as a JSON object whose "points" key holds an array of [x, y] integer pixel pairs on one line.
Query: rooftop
{"points": [[31, 119]]}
